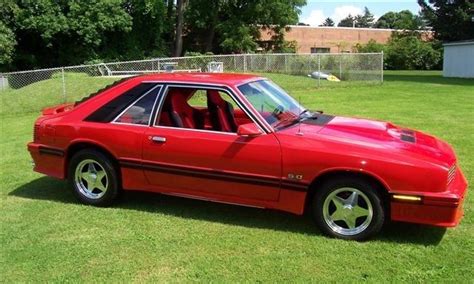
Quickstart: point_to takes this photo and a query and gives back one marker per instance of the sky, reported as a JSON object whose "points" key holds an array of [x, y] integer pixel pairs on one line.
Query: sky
{"points": [[316, 11]]}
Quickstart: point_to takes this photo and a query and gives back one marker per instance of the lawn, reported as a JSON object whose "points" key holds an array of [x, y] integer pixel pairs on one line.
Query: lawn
{"points": [[46, 235]]}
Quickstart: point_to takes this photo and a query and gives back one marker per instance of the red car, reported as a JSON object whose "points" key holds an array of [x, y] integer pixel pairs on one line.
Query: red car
{"points": [[240, 139]]}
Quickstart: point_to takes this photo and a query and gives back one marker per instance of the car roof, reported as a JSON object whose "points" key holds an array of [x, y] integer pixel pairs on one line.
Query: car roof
{"points": [[207, 78]]}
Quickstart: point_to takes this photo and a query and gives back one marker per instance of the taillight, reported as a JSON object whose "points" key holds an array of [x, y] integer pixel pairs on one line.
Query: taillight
{"points": [[451, 173], [36, 134]]}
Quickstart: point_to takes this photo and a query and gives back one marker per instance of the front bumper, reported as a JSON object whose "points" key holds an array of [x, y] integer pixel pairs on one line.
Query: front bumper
{"points": [[444, 209]]}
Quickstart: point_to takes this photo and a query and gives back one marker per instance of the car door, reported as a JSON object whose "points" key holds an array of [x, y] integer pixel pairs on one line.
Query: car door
{"points": [[211, 163]]}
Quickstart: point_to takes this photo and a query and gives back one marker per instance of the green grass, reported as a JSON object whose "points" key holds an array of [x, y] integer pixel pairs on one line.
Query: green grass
{"points": [[45, 235]]}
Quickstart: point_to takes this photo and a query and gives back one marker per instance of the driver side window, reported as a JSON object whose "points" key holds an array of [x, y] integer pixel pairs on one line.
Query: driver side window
{"points": [[201, 108]]}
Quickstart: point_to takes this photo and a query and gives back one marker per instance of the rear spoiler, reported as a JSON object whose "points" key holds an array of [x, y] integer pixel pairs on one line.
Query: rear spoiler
{"points": [[58, 109]]}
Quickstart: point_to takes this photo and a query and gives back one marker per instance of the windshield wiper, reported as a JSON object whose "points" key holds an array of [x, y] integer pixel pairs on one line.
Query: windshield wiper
{"points": [[303, 112], [291, 120]]}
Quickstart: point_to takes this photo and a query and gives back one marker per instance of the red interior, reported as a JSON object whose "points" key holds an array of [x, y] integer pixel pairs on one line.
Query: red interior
{"points": [[176, 104]]}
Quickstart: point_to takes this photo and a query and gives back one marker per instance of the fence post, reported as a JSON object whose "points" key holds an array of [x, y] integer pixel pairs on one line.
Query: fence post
{"points": [[340, 66], [286, 63], [245, 62], [381, 68], [319, 70], [64, 84]]}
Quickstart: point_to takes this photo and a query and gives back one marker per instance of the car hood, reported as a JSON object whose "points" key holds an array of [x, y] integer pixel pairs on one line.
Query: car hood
{"points": [[380, 135]]}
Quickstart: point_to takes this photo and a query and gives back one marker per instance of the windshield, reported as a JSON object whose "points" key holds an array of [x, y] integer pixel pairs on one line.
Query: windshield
{"points": [[273, 103]]}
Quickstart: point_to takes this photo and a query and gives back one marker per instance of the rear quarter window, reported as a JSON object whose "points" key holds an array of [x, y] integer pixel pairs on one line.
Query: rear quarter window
{"points": [[114, 107]]}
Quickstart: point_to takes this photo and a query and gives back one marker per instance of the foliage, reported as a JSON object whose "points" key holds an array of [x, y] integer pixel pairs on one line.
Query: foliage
{"points": [[194, 53], [406, 51], [410, 52], [7, 44], [47, 236], [347, 21], [53, 32], [279, 44], [366, 20], [403, 20], [371, 46], [451, 20], [57, 33], [328, 22], [215, 25], [287, 47], [150, 33]]}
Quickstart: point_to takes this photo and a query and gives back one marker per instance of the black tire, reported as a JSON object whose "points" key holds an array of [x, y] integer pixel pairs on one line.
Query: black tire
{"points": [[367, 196], [105, 189]]}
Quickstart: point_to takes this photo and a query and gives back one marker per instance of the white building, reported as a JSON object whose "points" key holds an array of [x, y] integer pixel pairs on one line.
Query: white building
{"points": [[458, 59]]}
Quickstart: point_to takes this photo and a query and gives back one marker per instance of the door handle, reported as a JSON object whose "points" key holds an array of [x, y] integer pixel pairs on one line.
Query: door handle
{"points": [[158, 139]]}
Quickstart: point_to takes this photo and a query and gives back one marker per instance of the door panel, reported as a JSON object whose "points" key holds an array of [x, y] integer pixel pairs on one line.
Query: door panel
{"points": [[212, 162]]}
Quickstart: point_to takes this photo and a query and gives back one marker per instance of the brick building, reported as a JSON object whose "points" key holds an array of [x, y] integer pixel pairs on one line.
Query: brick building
{"points": [[329, 39]]}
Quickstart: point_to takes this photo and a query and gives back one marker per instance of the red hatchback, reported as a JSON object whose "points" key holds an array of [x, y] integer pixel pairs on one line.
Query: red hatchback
{"points": [[241, 139]]}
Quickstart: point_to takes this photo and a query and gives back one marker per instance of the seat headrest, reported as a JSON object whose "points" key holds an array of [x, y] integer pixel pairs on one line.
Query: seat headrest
{"points": [[214, 97], [179, 99]]}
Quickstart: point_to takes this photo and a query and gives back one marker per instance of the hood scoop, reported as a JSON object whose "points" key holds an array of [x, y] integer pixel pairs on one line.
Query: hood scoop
{"points": [[407, 136]]}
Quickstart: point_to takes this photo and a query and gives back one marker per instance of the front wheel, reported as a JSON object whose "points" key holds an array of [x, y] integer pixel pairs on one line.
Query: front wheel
{"points": [[348, 208], [93, 178]]}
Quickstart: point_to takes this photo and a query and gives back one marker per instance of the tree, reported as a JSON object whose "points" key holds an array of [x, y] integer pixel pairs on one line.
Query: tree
{"points": [[365, 20], [387, 21], [328, 23], [90, 20], [451, 20], [52, 33], [403, 20], [234, 26], [408, 51], [151, 34], [8, 9], [371, 46], [348, 21], [47, 33], [178, 42], [7, 44], [58, 33]]}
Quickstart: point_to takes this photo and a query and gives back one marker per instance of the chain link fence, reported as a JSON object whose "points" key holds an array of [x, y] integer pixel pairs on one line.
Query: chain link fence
{"points": [[69, 83]]}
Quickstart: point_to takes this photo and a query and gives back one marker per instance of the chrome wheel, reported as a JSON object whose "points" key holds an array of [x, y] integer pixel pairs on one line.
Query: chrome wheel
{"points": [[91, 179], [347, 211]]}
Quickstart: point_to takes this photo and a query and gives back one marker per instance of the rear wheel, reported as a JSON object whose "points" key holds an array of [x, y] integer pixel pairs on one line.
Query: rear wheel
{"points": [[93, 178], [348, 208]]}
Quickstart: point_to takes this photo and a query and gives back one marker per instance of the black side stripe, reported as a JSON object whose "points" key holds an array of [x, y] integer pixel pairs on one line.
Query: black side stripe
{"points": [[274, 182], [51, 151], [294, 185]]}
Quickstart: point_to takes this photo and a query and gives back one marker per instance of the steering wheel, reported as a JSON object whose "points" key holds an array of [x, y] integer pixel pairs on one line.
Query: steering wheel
{"points": [[278, 110]]}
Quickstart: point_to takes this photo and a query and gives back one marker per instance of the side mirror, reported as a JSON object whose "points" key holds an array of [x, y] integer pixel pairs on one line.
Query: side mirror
{"points": [[248, 130]]}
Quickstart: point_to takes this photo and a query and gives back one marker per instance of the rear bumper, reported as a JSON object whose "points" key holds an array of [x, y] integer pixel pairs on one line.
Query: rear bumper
{"points": [[48, 160], [444, 209]]}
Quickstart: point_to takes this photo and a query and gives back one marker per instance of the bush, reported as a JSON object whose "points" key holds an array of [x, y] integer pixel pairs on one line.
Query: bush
{"points": [[407, 51], [371, 46], [410, 52], [7, 44]]}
